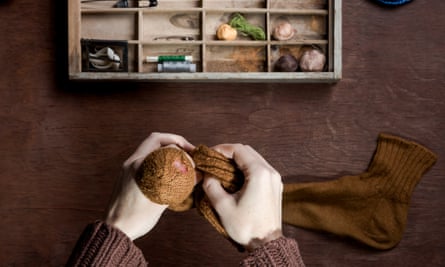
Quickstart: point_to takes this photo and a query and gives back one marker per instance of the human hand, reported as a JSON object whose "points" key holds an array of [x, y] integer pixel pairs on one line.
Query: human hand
{"points": [[251, 216], [130, 211]]}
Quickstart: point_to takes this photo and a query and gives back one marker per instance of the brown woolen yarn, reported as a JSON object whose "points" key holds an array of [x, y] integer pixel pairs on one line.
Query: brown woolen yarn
{"points": [[167, 176]]}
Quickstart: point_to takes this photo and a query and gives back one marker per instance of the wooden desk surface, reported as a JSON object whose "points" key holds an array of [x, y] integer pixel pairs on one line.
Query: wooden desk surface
{"points": [[62, 143]]}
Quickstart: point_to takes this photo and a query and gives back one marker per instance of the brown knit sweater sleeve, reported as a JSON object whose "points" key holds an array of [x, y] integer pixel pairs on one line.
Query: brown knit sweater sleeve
{"points": [[103, 245], [279, 252]]}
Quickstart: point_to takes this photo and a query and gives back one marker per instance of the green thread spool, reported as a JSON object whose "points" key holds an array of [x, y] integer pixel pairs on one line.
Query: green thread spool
{"points": [[168, 58]]}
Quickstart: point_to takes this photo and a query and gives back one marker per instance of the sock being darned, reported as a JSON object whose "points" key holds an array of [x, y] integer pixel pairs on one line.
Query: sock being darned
{"points": [[370, 207]]}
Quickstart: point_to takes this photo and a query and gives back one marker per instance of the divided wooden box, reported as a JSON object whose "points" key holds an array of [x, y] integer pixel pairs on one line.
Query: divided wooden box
{"points": [[188, 27]]}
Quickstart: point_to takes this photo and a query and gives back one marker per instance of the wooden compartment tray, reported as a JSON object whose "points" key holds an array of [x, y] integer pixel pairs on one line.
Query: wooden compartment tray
{"points": [[188, 27]]}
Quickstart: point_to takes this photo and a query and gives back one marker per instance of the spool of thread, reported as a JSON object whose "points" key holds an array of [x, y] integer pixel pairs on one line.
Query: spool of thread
{"points": [[150, 59], [176, 66]]}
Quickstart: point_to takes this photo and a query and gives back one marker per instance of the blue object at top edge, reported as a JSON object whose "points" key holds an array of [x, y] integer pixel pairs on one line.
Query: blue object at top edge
{"points": [[393, 2]]}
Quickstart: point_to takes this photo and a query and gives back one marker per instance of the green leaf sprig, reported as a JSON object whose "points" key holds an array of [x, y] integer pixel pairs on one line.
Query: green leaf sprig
{"points": [[241, 24]]}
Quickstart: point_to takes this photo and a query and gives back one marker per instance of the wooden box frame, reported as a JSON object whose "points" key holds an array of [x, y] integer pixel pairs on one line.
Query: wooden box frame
{"points": [[138, 27]]}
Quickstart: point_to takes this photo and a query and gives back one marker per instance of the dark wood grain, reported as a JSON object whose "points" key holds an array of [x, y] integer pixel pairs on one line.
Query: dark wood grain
{"points": [[62, 143]]}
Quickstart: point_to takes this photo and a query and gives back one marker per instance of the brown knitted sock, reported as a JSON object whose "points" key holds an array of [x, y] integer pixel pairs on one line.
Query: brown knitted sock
{"points": [[212, 162], [371, 207], [160, 179]]}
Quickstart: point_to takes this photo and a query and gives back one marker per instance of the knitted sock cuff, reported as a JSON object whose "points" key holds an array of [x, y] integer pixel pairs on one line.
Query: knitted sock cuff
{"points": [[402, 163], [279, 252]]}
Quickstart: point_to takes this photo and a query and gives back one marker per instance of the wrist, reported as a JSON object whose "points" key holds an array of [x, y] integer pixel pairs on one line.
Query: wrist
{"points": [[255, 243], [119, 226]]}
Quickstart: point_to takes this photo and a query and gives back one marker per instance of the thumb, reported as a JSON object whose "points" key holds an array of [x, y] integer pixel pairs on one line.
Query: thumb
{"points": [[220, 199]]}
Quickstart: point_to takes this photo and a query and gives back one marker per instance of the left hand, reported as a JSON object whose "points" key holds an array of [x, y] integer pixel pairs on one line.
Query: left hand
{"points": [[130, 211]]}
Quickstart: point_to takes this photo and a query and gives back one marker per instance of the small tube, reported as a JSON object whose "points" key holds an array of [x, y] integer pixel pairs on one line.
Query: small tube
{"points": [[176, 66], [168, 58]]}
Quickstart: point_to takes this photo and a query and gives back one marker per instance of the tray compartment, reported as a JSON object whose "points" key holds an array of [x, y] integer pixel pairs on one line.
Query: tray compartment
{"points": [[276, 51], [299, 4], [171, 26], [179, 4], [132, 58], [308, 27], [103, 4], [214, 19], [109, 26], [176, 49], [218, 4], [95, 55], [163, 4], [236, 58]]}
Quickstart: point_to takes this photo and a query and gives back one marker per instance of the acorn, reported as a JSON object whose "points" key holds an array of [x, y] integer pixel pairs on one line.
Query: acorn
{"points": [[312, 60], [226, 32], [286, 63], [283, 31]]}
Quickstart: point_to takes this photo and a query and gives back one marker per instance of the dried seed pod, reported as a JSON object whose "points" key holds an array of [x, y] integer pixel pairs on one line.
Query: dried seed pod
{"points": [[226, 32], [286, 63], [283, 31], [312, 60]]}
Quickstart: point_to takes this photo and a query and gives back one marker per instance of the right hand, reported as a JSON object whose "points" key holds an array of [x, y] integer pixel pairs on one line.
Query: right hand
{"points": [[251, 216]]}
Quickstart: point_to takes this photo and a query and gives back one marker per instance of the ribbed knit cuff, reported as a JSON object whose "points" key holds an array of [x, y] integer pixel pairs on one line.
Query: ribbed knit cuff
{"points": [[279, 252], [103, 245], [402, 162]]}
